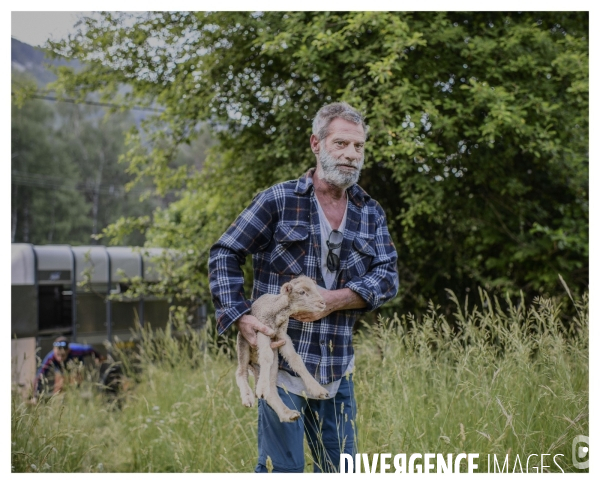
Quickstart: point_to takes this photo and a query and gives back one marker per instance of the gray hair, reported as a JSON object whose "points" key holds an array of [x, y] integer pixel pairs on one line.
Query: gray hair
{"points": [[329, 112]]}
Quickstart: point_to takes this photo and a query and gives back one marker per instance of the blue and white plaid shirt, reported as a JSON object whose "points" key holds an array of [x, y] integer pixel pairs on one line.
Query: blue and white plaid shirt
{"points": [[281, 229]]}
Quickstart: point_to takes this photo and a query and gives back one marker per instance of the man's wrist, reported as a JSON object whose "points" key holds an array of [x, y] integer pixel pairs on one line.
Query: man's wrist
{"points": [[241, 319]]}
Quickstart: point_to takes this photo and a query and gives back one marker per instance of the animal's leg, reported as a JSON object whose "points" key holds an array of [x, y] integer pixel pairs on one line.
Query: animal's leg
{"points": [[265, 361], [256, 369], [296, 364], [284, 413], [241, 374]]}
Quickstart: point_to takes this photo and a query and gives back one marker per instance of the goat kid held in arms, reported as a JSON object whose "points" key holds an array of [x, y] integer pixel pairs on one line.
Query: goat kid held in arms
{"points": [[326, 227]]}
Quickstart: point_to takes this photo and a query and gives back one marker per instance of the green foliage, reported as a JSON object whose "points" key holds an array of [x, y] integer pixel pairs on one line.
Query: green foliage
{"points": [[67, 183], [502, 381], [478, 147], [41, 211]]}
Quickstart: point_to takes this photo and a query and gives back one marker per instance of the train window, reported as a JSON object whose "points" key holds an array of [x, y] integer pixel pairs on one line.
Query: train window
{"points": [[55, 309]]}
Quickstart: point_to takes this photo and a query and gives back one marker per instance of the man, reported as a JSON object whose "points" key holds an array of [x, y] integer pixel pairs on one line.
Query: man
{"points": [[62, 353], [326, 227]]}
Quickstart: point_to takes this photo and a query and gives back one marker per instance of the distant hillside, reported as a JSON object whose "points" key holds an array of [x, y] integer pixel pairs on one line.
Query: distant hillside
{"points": [[33, 60]]}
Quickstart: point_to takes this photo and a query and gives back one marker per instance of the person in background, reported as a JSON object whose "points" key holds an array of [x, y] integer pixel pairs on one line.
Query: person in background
{"points": [[57, 360]]}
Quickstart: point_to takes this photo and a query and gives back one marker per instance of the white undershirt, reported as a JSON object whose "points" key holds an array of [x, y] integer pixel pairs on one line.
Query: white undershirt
{"points": [[329, 277]]}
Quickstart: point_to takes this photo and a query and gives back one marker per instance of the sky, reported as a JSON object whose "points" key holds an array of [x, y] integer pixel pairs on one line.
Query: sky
{"points": [[35, 28]]}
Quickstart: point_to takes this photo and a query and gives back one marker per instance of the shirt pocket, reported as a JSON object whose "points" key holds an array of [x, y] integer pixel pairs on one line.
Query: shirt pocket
{"points": [[288, 254], [360, 257]]}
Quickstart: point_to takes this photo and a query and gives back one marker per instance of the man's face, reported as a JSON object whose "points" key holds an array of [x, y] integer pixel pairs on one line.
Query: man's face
{"points": [[341, 154], [60, 353]]}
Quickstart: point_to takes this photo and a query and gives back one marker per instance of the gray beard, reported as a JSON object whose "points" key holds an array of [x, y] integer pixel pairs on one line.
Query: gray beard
{"points": [[328, 171]]}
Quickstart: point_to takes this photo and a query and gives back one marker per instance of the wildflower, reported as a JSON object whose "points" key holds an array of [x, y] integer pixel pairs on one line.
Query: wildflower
{"points": [[100, 466], [34, 467]]}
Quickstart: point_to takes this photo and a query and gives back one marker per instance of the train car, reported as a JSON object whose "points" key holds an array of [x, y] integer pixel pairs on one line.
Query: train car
{"points": [[47, 299]]}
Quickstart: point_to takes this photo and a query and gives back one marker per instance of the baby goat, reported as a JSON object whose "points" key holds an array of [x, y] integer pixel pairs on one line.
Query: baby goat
{"points": [[298, 295]]}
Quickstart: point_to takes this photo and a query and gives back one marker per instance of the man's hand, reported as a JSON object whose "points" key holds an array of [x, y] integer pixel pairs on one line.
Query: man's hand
{"points": [[249, 326], [309, 317], [335, 300]]}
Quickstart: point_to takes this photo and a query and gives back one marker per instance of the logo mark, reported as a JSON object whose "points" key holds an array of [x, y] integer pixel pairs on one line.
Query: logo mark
{"points": [[581, 453]]}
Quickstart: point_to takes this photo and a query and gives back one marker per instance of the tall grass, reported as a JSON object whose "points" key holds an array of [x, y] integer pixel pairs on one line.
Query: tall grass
{"points": [[502, 379], [502, 382]]}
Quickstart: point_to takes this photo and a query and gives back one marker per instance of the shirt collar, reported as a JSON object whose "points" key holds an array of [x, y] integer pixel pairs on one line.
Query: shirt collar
{"points": [[355, 193]]}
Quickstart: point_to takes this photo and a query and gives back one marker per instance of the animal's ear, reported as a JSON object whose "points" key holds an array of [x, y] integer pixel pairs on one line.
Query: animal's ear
{"points": [[286, 288]]}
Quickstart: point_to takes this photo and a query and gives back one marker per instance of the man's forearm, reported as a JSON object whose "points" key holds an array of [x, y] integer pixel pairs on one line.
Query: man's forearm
{"points": [[335, 300], [340, 299]]}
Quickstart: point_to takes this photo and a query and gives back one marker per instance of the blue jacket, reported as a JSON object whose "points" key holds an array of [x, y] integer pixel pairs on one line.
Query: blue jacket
{"points": [[76, 353]]}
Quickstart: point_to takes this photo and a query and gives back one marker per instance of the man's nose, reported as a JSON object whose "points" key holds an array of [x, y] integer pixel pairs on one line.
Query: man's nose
{"points": [[350, 153]]}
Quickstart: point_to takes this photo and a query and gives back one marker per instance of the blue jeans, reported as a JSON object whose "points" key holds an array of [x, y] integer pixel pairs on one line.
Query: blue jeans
{"points": [[329, 425]]}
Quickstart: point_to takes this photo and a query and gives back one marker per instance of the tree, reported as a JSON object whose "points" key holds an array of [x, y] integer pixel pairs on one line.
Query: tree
{"points": [[46, 206], [67, 182], [478, 145], [95, 141]]}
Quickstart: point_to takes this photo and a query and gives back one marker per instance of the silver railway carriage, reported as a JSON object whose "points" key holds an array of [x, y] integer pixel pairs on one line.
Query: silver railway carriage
{"points": [[47, 301]]}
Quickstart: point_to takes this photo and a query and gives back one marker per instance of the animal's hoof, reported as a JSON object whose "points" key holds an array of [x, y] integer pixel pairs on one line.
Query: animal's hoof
{"points": [[320, 392], [262, 393], [291, 417]]}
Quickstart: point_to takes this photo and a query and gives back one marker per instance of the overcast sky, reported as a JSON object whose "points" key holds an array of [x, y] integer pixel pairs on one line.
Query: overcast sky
{"points": [[35, 28]]}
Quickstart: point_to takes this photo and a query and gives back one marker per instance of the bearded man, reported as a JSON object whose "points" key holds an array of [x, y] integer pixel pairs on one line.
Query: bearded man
{"points": [[326, 227]]}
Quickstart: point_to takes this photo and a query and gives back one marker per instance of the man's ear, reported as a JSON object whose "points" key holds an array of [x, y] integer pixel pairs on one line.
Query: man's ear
{"points": [[286, 288], [315, 145]]}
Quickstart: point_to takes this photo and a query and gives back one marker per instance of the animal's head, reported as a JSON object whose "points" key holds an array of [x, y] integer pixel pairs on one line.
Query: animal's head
{"points": [[303, 294]]}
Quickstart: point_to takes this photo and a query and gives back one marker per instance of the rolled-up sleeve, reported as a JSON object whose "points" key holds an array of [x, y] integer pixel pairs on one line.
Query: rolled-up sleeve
{"points": [[250, 233], [380, 283]]}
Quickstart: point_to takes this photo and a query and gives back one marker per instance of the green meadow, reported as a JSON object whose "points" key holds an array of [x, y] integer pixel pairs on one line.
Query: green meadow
{"points": [[495, 378]]}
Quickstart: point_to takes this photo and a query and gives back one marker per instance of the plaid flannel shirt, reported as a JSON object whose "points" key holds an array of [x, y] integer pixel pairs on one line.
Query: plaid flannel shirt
{"points": [[281, 229]]}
